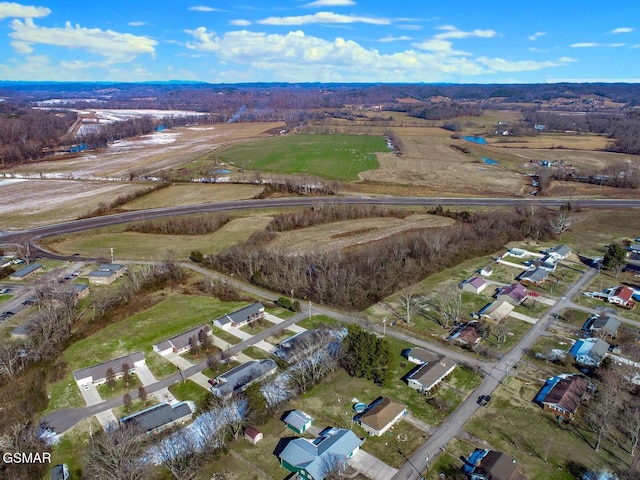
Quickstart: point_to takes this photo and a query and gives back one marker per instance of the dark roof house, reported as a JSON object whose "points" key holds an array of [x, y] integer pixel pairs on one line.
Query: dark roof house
{"points": [[98, 373], [515, 294], [491, 465], [562, 394], [240, 377], [182, 342], [240, 317], [158, 417], [560, 251], [605, 326]]}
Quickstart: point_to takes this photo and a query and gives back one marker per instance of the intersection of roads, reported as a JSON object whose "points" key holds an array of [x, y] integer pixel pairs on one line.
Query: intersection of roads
{"points": [[494, 373]]}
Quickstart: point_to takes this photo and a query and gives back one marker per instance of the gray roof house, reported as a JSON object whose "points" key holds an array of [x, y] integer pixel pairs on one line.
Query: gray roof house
{"points": [[298, 421], [496, 311], [106, 273], [312, 459], [240, 317], [419, 355], [159, 417], [98, 373], [430, 374], [560, 252], [240, 377], [535, 276], [606, 326], [182, 342], [589, 351], [25, 272]]}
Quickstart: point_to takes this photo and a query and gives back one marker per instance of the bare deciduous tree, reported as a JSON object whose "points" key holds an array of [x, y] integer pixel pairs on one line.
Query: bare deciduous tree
{"points": [[561, 222], [448, 301], [116, 455]]}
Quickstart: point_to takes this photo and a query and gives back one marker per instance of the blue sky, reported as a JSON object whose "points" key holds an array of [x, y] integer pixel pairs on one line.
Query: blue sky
{"points": [[466, 41]]}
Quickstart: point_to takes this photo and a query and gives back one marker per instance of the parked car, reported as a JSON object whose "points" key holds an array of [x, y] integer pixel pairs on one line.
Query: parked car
{"points": [[483, 400]]}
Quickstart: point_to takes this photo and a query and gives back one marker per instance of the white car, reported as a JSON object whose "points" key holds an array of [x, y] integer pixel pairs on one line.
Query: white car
{"points": [[85, 387]]}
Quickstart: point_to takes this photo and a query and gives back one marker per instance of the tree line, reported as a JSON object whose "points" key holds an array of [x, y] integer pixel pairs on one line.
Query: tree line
{"points": [[356, 278], [200, 225]]}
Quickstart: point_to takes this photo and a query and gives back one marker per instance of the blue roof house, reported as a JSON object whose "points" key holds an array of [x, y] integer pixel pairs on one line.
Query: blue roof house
{"points": [[589, 351], [316, 459]]}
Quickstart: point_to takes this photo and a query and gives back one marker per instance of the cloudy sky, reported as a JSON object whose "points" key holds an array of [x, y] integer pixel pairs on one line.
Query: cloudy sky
{"points": [[464, 41]]}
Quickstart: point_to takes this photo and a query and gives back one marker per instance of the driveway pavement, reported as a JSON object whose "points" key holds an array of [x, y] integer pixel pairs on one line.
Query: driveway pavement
{"points": [[107, 419], [201, 379], [178, 361], [90, 394], [523, 317], [145, 376], [372, 467]]}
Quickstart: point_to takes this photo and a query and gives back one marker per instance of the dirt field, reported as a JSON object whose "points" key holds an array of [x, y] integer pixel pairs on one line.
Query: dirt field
{"points": [[30, 203], [149, 154], [339, 235], [431, 162]]}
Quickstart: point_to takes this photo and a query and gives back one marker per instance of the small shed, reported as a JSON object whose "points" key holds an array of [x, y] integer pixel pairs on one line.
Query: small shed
{"points": [[486, 271], [475, 285], [298, 421], [253, 434]]}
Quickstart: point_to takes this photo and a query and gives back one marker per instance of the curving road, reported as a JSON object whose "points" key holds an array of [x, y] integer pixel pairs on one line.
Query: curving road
{"points": [[18, 237]]}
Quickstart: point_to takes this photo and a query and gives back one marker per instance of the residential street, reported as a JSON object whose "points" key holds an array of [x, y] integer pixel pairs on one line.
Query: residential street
{"points": [[494, 376]]}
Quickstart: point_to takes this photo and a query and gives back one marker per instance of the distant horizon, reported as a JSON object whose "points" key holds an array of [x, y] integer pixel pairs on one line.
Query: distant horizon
{"points": [[320, 41]]}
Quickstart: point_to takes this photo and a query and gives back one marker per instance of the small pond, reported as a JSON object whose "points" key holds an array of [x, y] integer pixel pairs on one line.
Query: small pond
{"points": [[489, 161], [472, 139]]}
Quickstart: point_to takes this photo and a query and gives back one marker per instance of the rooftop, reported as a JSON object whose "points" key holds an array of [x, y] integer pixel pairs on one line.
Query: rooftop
{"points": [[158, 415], [242, 375], [516, 291], [381, 412], [99, 371], [297, 419], [566, 391], [23, 272], [241, 315]]}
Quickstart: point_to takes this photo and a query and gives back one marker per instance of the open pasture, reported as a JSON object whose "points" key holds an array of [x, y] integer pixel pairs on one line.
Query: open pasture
{"points": [[349, 233], [142, 246], [430, 161], [335, 157], [31, 203]]}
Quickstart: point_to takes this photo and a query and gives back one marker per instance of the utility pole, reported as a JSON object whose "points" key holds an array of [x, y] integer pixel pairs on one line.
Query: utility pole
{"points": [[309, 308], [112, 261], [384, 326]]}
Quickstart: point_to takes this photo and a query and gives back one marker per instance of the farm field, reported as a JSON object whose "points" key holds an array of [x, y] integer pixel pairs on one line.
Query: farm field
{"points": [[335, 157], [189, 194], [143, 246], [349, 233], [149, 154], [32, 203]]}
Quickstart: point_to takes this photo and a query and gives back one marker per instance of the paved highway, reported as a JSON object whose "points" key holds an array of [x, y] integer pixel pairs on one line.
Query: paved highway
{"points": [[18, 237], [493, 377]]}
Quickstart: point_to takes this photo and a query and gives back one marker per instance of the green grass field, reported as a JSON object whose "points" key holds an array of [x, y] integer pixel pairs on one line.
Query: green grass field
{"points": [[336, 157]]}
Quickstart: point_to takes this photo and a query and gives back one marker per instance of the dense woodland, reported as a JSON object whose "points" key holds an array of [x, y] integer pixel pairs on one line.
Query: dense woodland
{"points": [[359, 277]]}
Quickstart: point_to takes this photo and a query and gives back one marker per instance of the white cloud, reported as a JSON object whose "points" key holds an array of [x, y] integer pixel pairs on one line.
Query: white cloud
{"points": [[453, 32], [16, 10], [622, 30], [391, 38], [204, 8], [439, 45], [502, 65], [137, 24], [536, 35], [331, 3], [323, 17], [240, 23], [115, 46], [593, 45], [22, 47], [299, 57]]}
